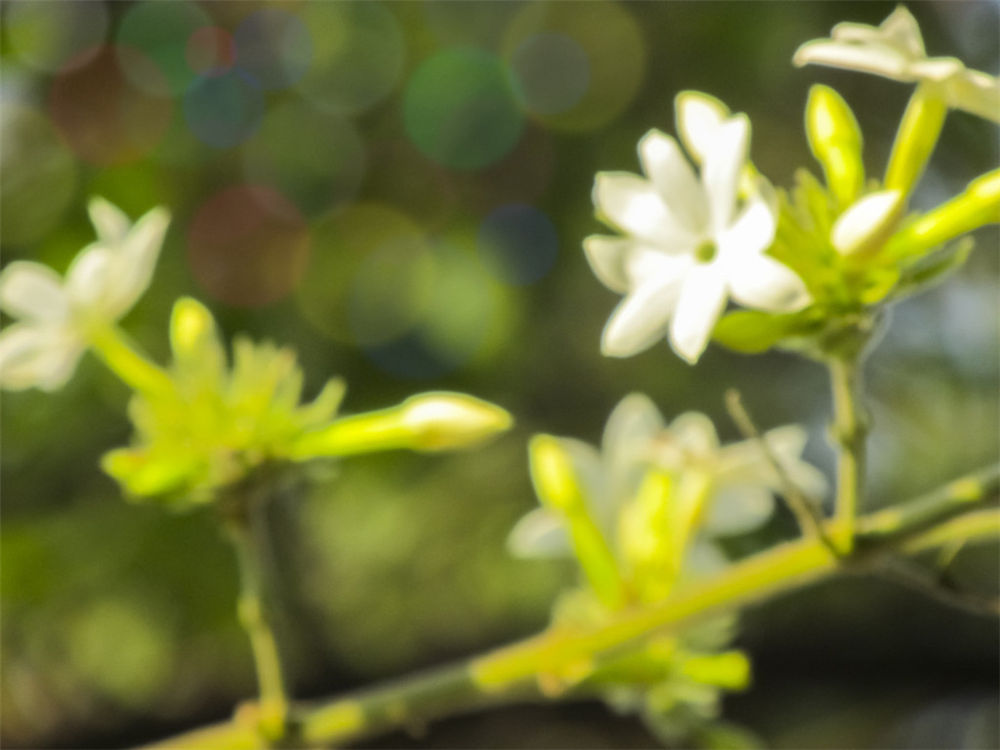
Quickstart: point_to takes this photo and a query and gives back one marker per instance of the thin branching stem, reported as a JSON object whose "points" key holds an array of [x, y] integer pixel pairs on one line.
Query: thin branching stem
{"points": [[803, 508], [513, 672], [253, 609], [850, 430]]}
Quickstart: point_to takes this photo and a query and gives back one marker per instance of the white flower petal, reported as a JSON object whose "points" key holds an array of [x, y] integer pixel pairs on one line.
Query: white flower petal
{"points": [[137, 258], [936, 69], [641, 319], [723, 165], [702, 299], [632, 426], [752, 232], [90, 279], [37, 356], [645, 265], [879, 59], [736, 509], [761, 282], [745, 463], [673, 177], [975, 92], [110, 222], [539, 533], [32, 291], [606, 256], [902, 30], [634, 206], [698, 117], [695, 434], [590, 471]]}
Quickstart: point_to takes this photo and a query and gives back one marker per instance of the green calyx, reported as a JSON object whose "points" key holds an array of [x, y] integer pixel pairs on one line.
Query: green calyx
{"points": [[219, 421]]}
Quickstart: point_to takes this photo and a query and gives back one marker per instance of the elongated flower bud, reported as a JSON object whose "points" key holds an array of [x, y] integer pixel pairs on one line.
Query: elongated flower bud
{"points": [[916, 138], [865, 226], [428, 422], [558, 487], [835, 140]]}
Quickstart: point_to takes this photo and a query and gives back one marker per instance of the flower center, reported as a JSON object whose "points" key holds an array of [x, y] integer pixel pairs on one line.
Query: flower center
{"points": [[705, 252]]}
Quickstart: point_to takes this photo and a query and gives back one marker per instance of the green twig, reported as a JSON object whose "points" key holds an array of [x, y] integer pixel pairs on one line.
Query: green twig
{"points": [[273, 711], [850, 430], [517, 670], [803, 508]]}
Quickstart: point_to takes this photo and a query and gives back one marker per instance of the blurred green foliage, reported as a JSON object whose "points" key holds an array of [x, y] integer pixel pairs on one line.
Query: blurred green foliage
{"points": [[379, 140]]}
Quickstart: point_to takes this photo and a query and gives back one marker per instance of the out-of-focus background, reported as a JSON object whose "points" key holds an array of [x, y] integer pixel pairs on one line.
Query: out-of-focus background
{"points": [[399, 191]]}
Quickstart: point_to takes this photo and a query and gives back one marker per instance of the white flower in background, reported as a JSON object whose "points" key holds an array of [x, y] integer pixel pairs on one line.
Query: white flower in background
{"points": [[895, 49], [690, 243], [58, 316], [741, 481]]}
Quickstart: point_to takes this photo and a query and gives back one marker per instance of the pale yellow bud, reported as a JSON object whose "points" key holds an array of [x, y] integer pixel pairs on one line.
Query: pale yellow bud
{"points": [[447, 421], [867, 224]]}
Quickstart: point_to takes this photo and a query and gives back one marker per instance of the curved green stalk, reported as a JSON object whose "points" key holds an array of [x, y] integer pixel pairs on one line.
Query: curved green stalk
{"points": [[516, 671], [850, 430], [273, 710], [123, 359]]}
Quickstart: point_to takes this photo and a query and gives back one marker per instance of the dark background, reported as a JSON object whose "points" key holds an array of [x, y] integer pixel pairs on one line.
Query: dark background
{"points": [[399, 191]]}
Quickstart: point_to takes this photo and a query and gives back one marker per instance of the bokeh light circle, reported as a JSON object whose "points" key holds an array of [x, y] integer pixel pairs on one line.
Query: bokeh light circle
{"points": [[390, 290], [543, 46], [248, 246], [523, 176], [464, 319], [315, 158], [223, 110], [161, 31], [518, 244], [342, 239], [460, 111], [551, 73], [54, 36], [105, 120], [210, 51], [358, 54], [39, 175], [274, 47]]}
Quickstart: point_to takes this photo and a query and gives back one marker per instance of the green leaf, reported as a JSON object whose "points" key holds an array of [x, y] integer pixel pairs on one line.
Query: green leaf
{"points": [[753, 331], [934, 269]]}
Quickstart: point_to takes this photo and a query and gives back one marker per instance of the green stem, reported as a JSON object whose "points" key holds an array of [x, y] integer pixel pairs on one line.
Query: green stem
{"points": [[516, 671], [121, 356], [252, 607], [849, 431]]}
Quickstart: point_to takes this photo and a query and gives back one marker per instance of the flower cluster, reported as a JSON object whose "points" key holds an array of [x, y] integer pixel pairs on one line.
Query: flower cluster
{"points": [[641, 517], [59, 318], [811, 266], [690, 243]]}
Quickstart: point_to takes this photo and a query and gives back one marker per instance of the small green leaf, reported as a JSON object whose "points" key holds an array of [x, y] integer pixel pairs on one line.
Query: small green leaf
{"points": [[934, 269], [753, 331]]}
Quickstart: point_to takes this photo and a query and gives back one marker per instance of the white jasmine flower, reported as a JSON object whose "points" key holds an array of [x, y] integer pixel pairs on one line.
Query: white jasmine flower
{"points": [[690, 243], [741, 481], [58, 316], [895, 49]]}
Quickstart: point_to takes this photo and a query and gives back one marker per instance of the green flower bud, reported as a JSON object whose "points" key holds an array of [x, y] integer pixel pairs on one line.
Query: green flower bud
{"points": [[835, 140], [976, 206], [916, 138], [428, 422], [558, 487]]}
